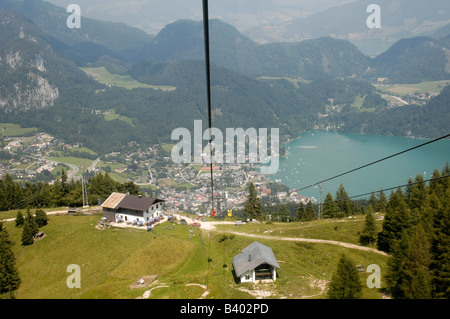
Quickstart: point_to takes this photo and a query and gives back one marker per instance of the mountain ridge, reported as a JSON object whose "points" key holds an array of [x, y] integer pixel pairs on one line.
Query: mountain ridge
{"points": [[75, 112]]}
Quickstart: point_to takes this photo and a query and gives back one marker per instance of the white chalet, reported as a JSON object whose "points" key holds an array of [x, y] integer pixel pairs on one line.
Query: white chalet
{"points": [[129, 208]]}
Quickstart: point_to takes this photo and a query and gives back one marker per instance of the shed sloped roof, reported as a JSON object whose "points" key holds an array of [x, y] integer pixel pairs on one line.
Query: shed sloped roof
{"points": [[113, 200], [259, 254]]}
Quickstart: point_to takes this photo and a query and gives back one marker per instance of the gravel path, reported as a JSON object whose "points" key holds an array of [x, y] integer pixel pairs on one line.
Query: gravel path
{"points": [[212, 226]]}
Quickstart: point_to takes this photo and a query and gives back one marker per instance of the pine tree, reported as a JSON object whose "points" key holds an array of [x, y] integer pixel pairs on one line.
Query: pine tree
{"points": [[345, 282], [372, 200], [436, 186], [343, 203], [329, 207], [64, 186], [440, 249], [310, 213], [19, 219], [395, 274], [396, 220], [27, 233], [9, 275], [253, 204], [283, 213], [416, 199], [369, 233], [416, 282], [300, 212], [30, 228], [41, 218], [381, 202]]}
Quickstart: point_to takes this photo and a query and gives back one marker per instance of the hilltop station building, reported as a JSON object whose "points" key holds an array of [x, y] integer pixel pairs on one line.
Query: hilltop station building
{"points": [[120, 207], [255, 262]]}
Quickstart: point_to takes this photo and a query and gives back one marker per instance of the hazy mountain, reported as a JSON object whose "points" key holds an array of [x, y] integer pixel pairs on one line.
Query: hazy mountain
{"points": [[249, 16], [39, 88], [414, 60], [442, 32], [33, 76], [94, 38], [319, 58], [51, 93], [41, 83], [399, 19]]}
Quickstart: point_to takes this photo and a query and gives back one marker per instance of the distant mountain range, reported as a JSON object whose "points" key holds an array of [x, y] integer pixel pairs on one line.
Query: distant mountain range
{"points": [[399, 19], [409, 60], [310, 59], [267, 21], [285, 85]]}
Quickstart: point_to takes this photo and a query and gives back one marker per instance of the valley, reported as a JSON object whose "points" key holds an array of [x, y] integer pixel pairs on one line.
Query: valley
{"points": [[94, 113]]}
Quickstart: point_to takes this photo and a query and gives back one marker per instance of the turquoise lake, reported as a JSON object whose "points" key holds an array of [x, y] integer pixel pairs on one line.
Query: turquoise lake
{"points": [[320, 155]]}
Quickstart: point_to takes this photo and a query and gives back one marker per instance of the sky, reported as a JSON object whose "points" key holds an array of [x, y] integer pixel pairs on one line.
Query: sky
{"points": [[152, 15]]}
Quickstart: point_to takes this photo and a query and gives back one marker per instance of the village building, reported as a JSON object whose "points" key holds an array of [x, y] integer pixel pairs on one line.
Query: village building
{"points": [[255, 262], [129, 208]]}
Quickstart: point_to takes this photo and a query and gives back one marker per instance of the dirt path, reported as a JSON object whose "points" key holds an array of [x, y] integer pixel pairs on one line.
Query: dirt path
{"points": [[148, 293], [211, 226], [316, 241]]}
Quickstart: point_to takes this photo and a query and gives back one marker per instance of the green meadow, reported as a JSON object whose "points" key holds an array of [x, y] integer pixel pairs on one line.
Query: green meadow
{"points": [[78, 161], [111, 115], [423, 87], [111, 260], [9, 129], [102, 75]]}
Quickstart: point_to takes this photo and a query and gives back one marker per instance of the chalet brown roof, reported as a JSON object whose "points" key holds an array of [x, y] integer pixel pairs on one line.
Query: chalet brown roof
{"points": [[125, 201], [139, 203]]}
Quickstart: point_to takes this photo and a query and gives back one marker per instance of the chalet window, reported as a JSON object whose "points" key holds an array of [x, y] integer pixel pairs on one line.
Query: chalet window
{"points": [[156, 206], [247, 277]]}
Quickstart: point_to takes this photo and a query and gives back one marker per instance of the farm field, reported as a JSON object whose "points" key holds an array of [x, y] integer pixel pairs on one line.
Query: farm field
{"points": [[9, 129], [405, 89], [111, 115], [72, 160], [103, 76], [113, 259]]}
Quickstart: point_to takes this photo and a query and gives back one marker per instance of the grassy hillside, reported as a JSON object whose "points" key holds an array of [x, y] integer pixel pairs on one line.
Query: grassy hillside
{"points": [[112, 259], [102, 75], [423, 87], [9, 129]]}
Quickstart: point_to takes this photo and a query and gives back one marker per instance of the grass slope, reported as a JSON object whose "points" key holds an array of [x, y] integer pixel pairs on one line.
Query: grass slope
{"points": [[9, 129], [423, 87], [102, 75], [112, 259]]}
